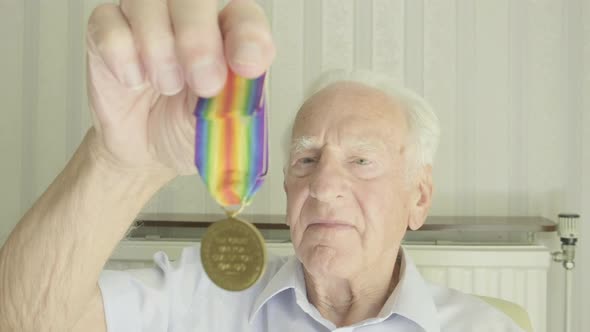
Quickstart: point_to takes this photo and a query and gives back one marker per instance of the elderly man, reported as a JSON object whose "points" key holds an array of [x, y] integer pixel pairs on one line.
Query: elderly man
{"points": [[359, 174]]}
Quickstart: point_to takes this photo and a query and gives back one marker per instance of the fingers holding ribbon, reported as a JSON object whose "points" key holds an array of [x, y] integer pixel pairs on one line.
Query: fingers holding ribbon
{"points": [[249, 48], [199, 44], [154, 37], [175, 42], [110, 42]]}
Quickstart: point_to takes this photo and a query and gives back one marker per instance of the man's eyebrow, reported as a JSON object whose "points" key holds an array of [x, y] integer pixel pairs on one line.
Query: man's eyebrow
{"points": [[304, 143]]}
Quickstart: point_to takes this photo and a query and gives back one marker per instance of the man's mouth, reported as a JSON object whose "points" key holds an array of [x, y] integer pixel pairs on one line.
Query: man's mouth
{"points": [[330, 223]]}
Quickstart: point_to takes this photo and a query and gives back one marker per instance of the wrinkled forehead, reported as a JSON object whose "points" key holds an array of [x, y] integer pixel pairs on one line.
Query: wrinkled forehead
{"points": [[359, 114]]}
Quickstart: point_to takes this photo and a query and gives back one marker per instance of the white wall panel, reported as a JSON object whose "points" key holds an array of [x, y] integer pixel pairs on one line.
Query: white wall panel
{"points": [[313, 36], [363, 34], [491, 111], [440, 88], [547, 127], [389, 37], [582, 299], [337, 34], [413, 46], [517, 71], [11, 106], [467, 105], [50, 122], [29, 96]]}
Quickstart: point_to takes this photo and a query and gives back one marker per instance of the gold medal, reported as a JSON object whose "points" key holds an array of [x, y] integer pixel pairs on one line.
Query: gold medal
{"points": [[233, 254]]}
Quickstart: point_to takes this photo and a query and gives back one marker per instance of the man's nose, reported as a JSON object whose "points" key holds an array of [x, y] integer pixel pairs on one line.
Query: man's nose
{"points": [[329, 181]]}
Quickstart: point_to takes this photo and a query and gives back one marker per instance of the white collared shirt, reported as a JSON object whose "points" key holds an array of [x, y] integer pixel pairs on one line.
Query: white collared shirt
{"points": [[179, 297]]}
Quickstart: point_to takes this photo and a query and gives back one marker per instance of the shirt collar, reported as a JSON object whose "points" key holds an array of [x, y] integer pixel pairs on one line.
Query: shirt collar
{"points": [[411, 298], [289, 276]]}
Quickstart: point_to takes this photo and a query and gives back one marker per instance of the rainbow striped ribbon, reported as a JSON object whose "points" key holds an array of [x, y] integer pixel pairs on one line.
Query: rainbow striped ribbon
{"points": [[231, 149]]}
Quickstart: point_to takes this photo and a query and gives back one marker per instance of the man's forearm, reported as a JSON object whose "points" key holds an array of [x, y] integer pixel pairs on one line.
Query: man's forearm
{"points": [[51, 262]]}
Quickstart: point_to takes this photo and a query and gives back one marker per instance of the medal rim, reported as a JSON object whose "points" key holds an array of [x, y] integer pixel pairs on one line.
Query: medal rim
{"points": [[260, 240]]}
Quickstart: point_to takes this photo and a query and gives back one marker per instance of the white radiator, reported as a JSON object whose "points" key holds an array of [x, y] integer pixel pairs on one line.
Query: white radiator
{"points": [[514, 273]]}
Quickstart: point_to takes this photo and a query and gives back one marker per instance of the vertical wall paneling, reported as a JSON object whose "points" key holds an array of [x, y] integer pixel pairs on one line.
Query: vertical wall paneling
{"points": [[517, 125], [389, 38], [574, 33], [338, 34], [545, 69], [12, 34], [466, 149], [492, 108], [50, 123], [414, 45], [292, 57], [363, 34], [546, 121], [582, 298], [574, 94], [313, 36], [440, 81], [30, 83]]}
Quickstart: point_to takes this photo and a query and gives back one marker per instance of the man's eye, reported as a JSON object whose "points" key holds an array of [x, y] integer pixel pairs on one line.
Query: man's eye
{"points": [[306, 160], [362, 161]]}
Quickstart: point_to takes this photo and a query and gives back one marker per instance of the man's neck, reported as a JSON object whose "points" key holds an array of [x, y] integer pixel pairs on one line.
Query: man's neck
{"points": [[348, 301]]}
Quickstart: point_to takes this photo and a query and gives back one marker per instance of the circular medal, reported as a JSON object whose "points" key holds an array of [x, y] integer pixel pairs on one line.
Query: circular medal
{"points": [[233, 254]]}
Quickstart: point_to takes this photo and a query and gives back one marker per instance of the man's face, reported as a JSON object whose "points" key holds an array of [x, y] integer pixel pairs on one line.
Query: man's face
{"points": [[349, 200]]}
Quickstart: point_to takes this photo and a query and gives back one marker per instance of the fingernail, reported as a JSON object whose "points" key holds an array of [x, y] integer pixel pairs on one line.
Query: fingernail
{"points": [[133, 76], [248, 54], [207, 77], [170, 79]]}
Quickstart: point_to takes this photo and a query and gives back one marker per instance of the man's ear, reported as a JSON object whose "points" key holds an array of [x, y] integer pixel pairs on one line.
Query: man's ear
{"points": [[422, 198]]}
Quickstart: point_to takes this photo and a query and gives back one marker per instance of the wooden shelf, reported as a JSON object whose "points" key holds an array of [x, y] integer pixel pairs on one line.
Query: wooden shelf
{"points": [[433, 223]]}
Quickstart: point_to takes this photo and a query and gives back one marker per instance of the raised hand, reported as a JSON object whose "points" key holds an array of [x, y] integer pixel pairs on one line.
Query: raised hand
{"points": [[148, 60]]}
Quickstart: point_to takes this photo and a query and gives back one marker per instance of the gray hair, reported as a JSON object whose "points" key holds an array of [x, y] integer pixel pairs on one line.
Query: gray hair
{"points": [[423, 124]]}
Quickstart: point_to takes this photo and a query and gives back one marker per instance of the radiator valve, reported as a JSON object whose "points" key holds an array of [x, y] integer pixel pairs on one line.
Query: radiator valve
{"points": [[568, 234]]}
